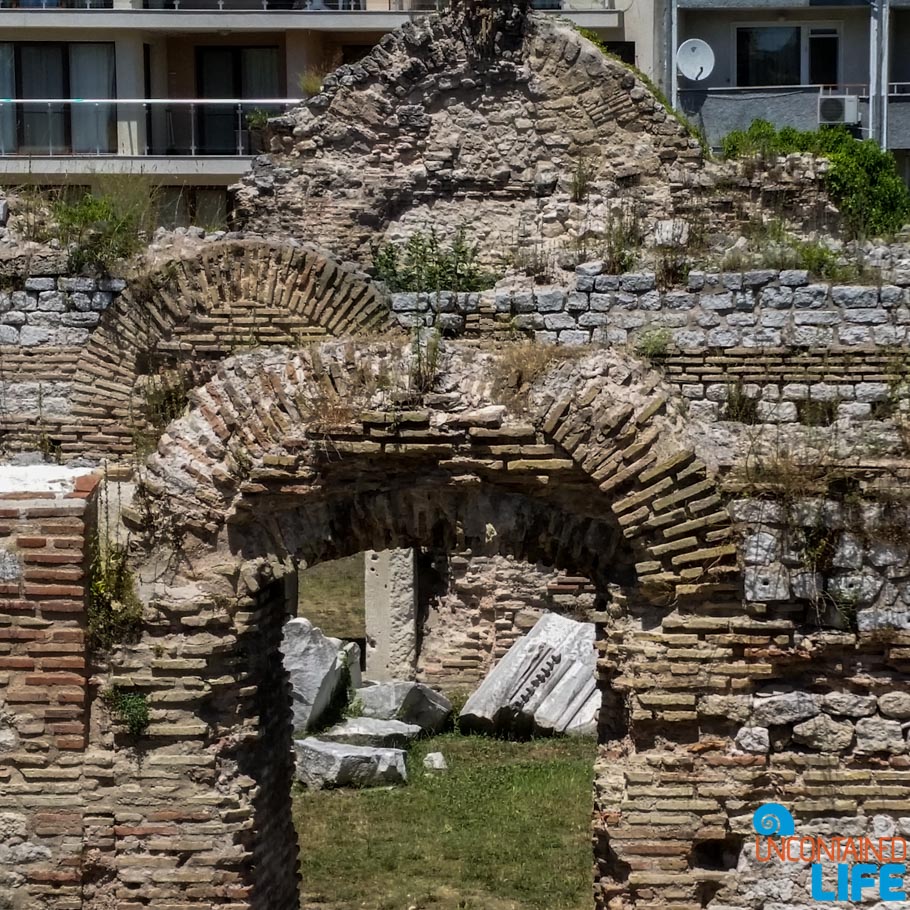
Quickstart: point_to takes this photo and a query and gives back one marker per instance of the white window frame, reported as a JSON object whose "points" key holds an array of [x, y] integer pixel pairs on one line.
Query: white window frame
{"points": [[805, 26]]}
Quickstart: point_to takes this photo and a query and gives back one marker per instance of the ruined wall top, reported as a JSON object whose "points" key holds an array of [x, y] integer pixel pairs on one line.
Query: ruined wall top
{"points": [[479, 115]]}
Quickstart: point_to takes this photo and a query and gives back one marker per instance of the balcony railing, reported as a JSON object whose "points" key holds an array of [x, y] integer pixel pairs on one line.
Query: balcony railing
{"points": [[314, 6], [159, 126]]}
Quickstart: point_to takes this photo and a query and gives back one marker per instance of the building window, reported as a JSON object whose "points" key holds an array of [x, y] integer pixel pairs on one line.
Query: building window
{"points": [[41, 77], [787, 55], [232, 72]]}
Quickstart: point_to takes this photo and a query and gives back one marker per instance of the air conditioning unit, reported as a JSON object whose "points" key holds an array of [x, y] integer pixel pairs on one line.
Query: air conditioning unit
{"points": [[838, 109]]}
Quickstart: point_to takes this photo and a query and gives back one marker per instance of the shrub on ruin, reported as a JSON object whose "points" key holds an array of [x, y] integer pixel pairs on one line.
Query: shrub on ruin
{"points": [[653, 343], [427, 264], [113, 609], [862, 178], [103, 229]]}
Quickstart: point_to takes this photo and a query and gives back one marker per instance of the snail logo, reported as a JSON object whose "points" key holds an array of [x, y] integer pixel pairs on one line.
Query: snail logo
{"points": [[773, 820], [841, 868]]}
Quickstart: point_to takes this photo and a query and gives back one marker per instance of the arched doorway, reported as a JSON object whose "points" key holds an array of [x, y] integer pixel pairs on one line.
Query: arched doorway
{"points": [[303, 456]]}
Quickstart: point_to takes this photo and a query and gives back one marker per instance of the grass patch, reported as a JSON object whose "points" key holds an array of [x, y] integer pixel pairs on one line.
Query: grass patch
{"points": [[330, 596], [508, 827]]}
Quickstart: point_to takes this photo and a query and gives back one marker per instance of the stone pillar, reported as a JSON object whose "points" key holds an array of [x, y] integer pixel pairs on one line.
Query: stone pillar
{"points": [[390, 596], [128, 55]]}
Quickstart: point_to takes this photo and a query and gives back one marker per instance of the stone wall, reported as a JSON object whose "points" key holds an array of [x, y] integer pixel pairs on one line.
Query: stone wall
{"points": [[84, 362], [414, 130], [722, 689], [764, 308]]}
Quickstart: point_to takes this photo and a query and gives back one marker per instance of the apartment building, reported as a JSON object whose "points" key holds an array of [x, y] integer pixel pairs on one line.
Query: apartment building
{"points": [[800, 63], [177, 90]]}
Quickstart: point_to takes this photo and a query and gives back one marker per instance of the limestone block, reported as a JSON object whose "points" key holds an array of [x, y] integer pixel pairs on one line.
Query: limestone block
{"points": [[777, 298], [806, 585], [794, 278], [549, 300], [849, 552], [850, 296], [733, 707], [767, 583], [855, 587], [317, 674], [753, 739], [787, 708], [875, 734], [761, 548], [324, 764], [370, 731], [390, 599], [606, 283], [409, 702], [638, 282], [435, 761], [823, 733], [895, 704], [847, 704], [545, 682]]}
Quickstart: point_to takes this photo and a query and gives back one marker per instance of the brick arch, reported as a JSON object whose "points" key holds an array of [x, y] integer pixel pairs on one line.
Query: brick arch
{"points": [[191, 312], [614, 451]]}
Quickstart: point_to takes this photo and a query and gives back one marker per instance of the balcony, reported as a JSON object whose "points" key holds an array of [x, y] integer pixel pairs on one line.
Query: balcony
{"points": [[719, 111], [170, 137], [325, 13]]}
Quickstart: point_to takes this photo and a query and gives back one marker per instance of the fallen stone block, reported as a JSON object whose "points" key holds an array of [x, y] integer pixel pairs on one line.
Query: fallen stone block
{"points": [[435, 761], [320, 670], [370, 731], [544, 684], [409, 702], [323, 764]]}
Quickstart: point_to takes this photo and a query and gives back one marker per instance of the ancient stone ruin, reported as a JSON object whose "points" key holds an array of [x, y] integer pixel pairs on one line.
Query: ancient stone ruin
{"points": [[732, 497]]}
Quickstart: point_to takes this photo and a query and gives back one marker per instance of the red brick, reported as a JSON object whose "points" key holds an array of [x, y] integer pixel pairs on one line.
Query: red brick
{"points": [[86, 483], [55, 679], [53, 590], [40, 573], [54, 557], [27, 542], [70, 743], [144, 830], [17, 663], [62, 663], [69, 728]]}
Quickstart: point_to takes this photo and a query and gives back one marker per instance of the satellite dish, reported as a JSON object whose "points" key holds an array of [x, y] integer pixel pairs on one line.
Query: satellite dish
{"points": [[695, 59]]}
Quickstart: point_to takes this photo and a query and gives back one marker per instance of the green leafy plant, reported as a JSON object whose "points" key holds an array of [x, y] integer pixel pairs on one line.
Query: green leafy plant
{"points": [[113, 610], [424, 263], [653, 343], [425, 361], [104, 229], [129, 707], [581, 179], [862, 178], [257, 119], [622, 239]]}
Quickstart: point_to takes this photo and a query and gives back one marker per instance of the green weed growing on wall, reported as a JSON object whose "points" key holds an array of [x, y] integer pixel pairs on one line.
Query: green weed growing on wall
{"points": [[862, 178], [129, 707], [114, 611], [426, 264]]}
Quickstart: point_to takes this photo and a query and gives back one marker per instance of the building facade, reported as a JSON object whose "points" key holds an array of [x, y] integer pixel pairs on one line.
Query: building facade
{"points": [[799, 63]]}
